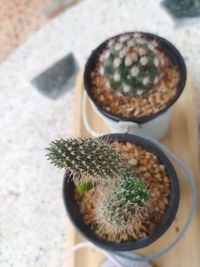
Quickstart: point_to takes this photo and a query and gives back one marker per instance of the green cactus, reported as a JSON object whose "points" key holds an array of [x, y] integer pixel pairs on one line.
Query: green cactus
{"points": [[131, 65], [94, 162], [84, 187], [127, 200], [88, 158]]}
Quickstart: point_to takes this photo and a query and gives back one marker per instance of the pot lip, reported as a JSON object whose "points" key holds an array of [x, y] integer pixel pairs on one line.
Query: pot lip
{"points": [[171, 52], [168, 217]]}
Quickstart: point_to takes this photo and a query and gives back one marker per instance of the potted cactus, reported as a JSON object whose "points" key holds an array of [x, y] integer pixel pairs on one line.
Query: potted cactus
{"points": [[120, 191], [135, 77]]}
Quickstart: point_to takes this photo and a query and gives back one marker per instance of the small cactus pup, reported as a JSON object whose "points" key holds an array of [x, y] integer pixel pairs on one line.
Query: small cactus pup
{"points": [[91, 160], [125, 202], [131, 65], [122, 209]]}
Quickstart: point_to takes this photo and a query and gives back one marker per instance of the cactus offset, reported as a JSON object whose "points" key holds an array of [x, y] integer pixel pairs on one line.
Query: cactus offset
{"points": [[88, 158], [131, 65], [84, 187], [125, 202]]}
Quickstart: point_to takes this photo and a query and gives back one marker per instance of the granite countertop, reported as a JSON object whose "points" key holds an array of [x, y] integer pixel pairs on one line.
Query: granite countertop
{"points": [[33, 224]]}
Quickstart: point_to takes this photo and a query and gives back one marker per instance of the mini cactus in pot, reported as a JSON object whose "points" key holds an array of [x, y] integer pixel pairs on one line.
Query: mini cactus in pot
{"points": [[108, 196], [135, 77], [120, 191]]}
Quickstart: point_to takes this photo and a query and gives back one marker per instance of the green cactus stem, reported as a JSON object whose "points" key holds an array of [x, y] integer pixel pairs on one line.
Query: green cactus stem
{"points": [[84, 187], [126, 202], [131, 65], [88, 158]]}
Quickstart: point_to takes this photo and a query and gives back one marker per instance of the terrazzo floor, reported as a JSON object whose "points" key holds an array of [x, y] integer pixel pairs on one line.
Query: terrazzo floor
{"points": [[20, 18]]}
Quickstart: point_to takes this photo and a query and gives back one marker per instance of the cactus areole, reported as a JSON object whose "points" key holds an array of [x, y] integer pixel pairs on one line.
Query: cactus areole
{"points": [[134, 76]]}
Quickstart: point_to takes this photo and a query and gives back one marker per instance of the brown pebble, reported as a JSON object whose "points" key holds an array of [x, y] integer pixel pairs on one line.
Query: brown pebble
{"points": [[133, 162]]}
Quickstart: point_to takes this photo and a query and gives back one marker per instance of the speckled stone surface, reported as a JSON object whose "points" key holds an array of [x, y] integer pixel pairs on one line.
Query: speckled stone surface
{"points": [[33, 224], [18, 19]]}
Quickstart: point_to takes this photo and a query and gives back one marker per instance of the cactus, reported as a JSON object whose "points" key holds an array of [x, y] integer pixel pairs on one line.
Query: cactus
{"points": [[131, 65], [120, 197], [125, 203], [88, 158], [84, 187]]}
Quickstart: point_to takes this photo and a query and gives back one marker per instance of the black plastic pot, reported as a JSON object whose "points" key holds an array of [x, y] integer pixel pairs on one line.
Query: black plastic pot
{"points": [[164, 45], [170, 213]]}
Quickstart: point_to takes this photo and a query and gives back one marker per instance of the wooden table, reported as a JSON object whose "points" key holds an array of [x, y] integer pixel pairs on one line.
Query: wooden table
{"points": [[181, 140]]}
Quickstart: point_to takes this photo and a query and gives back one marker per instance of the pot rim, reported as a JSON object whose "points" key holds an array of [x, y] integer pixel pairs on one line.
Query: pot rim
{"points": [[168, 48], [168, 217]]}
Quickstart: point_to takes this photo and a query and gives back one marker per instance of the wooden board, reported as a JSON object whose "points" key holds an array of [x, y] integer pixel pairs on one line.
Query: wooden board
{"points": [[182, 139]]}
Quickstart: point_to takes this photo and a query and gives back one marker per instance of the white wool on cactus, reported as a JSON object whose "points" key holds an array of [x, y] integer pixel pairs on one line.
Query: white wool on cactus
{"points": [[135, 71], [131, 43], [156, 62], [123, 38], [128, 61], [146, 81], [118, 46], [140, 92], [116, 62], [122, 53], [126, 88], [141, 51], [144, 61], [140, 41], [116, 77], [151, 47]]}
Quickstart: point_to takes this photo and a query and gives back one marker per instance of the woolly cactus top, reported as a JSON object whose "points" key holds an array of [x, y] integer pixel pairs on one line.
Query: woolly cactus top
{"points": [[131, 65]]}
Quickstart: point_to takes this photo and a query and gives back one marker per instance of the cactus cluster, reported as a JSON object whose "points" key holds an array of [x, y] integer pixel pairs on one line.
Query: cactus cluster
{"points": [[88, 158], [131, 65], [95, 162], [125, 202]]}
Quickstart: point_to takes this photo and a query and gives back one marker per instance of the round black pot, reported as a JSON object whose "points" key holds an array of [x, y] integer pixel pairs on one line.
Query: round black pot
{"points": [[169, 49], [170, 213]]}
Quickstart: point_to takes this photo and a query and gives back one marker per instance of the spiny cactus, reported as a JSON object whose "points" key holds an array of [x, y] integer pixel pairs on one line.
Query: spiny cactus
{"points": [[88, 158], [131, 65], [127, 200]]}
